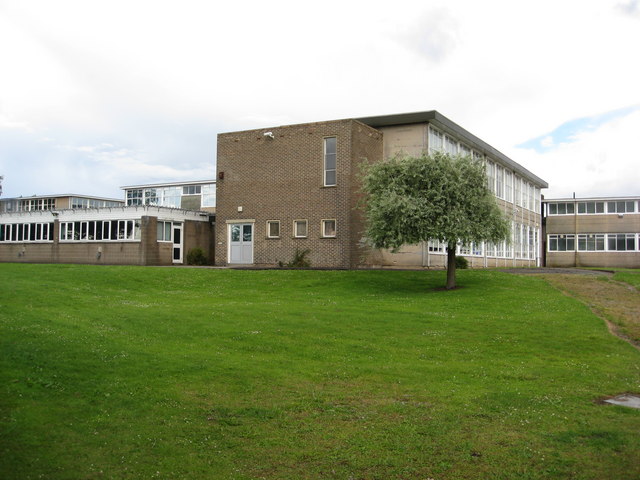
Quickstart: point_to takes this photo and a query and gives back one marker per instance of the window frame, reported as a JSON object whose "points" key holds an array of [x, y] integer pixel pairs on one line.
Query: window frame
{"points": [[273, 222], [323, 226], [325, 156], [295, 228]]}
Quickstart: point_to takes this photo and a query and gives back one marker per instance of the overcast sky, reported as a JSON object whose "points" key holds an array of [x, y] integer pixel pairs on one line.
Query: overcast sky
{"points": [[95, 95]]}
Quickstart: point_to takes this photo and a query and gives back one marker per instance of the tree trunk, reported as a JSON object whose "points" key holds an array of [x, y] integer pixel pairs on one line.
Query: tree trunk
{"points": [[451, 266]]}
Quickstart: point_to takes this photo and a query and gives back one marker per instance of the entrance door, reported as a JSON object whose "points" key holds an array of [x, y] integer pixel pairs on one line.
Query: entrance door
{"points": [[177, 242], [241, 243]]}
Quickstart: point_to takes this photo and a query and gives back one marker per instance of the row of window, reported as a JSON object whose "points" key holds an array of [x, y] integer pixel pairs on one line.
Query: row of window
{"points": [[594, 242], [171, 196], [301, 228], [524, 245], [592, 208], [26, 232], [502, 182], [80, 202], [100, 230]]}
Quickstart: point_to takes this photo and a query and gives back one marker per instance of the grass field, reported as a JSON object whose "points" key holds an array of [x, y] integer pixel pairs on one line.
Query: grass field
{"points": [[140, 373]]}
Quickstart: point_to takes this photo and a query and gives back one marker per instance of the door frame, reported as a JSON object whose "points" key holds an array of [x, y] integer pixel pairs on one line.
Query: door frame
{"points": [[180, 246], [241, 223]]}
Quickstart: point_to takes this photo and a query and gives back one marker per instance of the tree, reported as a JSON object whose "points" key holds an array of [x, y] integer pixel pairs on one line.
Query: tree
{"points": [[432, 197]]}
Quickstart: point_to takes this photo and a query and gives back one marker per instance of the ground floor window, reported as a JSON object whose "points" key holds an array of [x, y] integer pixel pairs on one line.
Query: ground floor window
{"points": [[99, 230], [273, 229], [561, 243], [26, 232], [328, 228], [592, 242], [300, 228], [164, 231]]}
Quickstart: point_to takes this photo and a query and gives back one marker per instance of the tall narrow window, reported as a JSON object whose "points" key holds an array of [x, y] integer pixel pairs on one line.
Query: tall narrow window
{"points": [[330, 162]]}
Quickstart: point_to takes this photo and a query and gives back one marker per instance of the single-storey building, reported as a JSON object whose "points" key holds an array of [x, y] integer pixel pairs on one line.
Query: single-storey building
{"points": [[140, 235]]}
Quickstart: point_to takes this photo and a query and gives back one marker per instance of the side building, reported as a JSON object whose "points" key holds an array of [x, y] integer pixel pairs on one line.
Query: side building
{"points": [[295, 188], [91, 230], [592, 232]]}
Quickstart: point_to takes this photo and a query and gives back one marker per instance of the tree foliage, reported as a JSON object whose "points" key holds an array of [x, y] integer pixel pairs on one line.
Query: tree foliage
{"points": [[432, 197]]}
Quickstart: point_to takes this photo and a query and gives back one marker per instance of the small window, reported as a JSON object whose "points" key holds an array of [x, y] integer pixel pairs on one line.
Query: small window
{"points": [[273, 229], [300, 228], [329, 228]]}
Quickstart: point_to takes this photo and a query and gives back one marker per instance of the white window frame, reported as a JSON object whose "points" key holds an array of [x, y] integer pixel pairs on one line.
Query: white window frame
{"points": [[436, 140], [273, 222], [326, 156], [295, 228], [324, 223]]}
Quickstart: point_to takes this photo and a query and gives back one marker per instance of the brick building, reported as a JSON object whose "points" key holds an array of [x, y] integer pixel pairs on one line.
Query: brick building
{"points": [[293, 188], [592, 232]]}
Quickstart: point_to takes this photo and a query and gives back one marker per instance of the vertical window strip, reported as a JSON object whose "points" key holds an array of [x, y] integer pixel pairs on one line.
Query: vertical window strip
{"points": [[330, 159]]}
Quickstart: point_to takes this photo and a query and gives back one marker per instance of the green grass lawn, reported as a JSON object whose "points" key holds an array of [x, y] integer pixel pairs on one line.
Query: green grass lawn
{"points": [[140, 373]]}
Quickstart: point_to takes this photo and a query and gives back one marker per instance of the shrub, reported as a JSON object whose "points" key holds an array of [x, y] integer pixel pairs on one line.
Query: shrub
{"points": [[300, 259], [461, 262], [196, 256]]}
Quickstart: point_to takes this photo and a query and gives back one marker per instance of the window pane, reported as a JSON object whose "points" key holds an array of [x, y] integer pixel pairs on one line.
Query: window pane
{"points": [[630, 207], [329, 228], [274, 229], [571, 243], [301, 228], [611, 207], [330, 145], [599, 207], [235, 233], [570, 208], [330, 178], [553, 209], [246, 233]]}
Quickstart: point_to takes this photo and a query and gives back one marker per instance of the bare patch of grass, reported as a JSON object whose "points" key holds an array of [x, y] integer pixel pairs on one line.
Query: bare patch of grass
{"points": [[616, 302]]}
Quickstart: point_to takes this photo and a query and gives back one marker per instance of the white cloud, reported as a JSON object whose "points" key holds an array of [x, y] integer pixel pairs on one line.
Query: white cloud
{"points": [[158, 80]]}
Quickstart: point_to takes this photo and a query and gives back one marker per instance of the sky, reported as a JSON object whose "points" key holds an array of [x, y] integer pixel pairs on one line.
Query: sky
{"points": [[96, 95]]}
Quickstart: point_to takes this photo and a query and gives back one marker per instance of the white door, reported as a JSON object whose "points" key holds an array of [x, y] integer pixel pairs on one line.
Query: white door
{"points": [[177, 242], [241, 243]]}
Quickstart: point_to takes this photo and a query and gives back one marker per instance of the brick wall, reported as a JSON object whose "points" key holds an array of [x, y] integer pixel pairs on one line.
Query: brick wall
{"points": [[282, 179]]}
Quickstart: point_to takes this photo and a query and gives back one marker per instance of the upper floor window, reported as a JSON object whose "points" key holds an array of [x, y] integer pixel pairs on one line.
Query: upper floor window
{"points": [[192, 190], [621, 207], [508, 186], [491, 176], [450, 145], [134, 197], [590, 207], [330, 154], [499, 181], [436, 140], [562, 208]]}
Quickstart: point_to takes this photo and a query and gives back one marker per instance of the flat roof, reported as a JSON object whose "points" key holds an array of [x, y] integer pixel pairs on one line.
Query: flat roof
{"points": [[589, 199], [439, 120], [62, 195], [168, 184]]}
